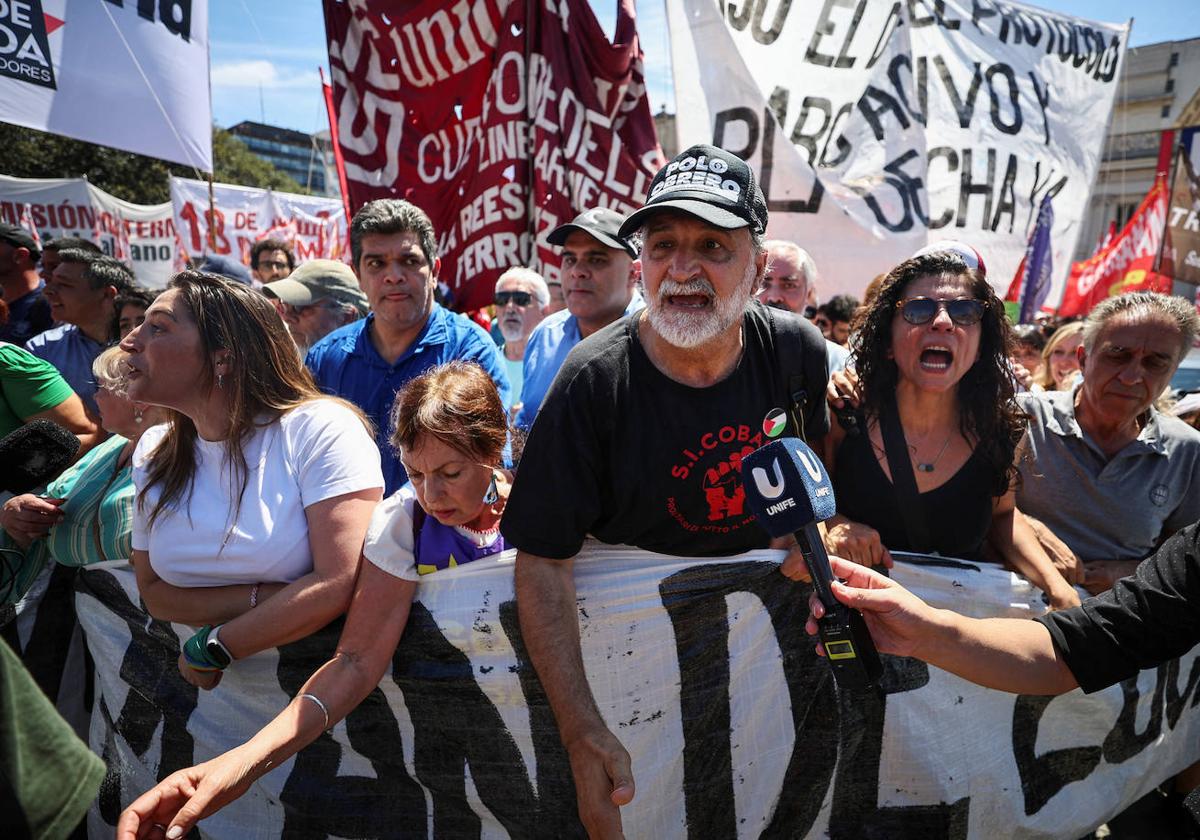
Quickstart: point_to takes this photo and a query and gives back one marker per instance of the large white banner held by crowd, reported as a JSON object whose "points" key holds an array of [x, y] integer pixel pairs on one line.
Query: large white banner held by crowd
{"points": [[142, 235], [701, 667], [879, 126], [314, 226], [131, 75]]}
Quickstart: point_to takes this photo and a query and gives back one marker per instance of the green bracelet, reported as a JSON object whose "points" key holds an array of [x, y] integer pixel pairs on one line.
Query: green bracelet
{"points": [[195, 651]]}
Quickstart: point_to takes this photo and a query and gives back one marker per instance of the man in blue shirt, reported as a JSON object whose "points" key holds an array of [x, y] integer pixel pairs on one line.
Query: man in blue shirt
{"points": [[394, 250], [82, 294], [599, 276]]}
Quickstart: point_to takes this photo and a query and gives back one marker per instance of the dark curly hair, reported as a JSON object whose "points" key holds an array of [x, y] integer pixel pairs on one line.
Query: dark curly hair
{"points": [[988, 413]]}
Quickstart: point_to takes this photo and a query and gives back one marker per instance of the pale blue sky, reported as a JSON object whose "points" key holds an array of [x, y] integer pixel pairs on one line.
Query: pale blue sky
{"points": [[275, 46]]}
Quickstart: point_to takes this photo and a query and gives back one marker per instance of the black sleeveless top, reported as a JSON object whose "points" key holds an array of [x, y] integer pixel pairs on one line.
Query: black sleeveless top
{"points": [[959, 512]]}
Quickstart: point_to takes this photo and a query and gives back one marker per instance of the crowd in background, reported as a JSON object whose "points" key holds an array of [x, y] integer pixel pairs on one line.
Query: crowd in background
{"points": [[275, 447]]}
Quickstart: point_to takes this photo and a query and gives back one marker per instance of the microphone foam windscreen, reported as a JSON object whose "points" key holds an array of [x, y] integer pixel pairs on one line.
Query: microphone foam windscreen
{"points": [[34, 454], [787, 487]]}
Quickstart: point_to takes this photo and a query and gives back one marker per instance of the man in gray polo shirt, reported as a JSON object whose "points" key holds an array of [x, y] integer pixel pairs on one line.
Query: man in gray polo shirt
{"points": [[1110, 475]]}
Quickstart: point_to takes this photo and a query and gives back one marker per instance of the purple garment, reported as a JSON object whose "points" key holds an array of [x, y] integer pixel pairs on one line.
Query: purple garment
{"points": [[440, 546]]}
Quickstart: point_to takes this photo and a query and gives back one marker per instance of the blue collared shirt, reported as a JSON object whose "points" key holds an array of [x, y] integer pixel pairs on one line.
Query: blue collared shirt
{"points": [[545, 352], [346, 364], [72, 352]]}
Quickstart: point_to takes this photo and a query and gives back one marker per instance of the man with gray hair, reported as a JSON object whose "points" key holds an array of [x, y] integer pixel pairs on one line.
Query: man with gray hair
{"points": [[791, 274], [641, 437], [1101, 467], [394, 251], [521, 300]]}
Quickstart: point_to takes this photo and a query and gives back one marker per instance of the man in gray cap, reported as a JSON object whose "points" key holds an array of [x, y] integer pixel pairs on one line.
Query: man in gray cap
{"points": [[599, 277], [641, 437], [316, 299]]}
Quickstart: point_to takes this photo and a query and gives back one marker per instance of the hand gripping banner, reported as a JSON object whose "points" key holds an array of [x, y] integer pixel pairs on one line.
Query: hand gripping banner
{"points": [[701, 668]]}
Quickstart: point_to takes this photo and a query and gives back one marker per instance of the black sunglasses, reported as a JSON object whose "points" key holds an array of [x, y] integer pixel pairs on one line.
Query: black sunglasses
{"points": [[518, 298], [922, 310]]}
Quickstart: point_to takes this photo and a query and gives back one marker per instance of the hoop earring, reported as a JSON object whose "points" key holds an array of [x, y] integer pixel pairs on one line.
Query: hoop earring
{"points": [[493, 493]]}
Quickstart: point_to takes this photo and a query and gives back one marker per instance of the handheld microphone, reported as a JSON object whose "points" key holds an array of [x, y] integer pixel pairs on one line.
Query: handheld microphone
{"points": [[34, 454], [789, 492]]}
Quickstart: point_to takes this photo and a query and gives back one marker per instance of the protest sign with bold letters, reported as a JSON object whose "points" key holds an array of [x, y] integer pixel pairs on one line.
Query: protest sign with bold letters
{"points": [[1180, 253], [499, 126], [878, 127], [131, 75], [142, 235], [700, 666], [314, 226]]}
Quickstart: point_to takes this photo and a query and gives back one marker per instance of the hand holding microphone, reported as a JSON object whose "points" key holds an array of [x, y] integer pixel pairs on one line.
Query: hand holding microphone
{"points": [[789, 492]]}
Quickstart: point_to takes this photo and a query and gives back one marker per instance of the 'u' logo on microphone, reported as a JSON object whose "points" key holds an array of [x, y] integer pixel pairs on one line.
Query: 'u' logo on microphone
{"points": [[767, 488], [810, 464]]}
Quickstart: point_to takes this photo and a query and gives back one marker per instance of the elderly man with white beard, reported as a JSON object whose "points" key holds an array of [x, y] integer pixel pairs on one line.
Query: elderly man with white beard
{"points": [[641, 437], [522, 297]]}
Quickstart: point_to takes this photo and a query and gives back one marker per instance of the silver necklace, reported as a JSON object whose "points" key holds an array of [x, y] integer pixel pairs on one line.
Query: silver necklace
{"points": [[928, 467]]}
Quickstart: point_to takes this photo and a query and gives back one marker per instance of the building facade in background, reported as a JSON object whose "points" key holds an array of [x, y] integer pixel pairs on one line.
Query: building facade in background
{"points": [[1157, 84], [302, 156]]}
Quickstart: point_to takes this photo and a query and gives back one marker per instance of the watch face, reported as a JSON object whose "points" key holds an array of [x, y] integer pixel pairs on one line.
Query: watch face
{"points": [[217, 651]]}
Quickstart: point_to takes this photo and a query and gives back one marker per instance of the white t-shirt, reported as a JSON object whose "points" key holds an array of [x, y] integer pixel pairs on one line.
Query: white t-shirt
{"points": [[314, 452], [389, 543]]}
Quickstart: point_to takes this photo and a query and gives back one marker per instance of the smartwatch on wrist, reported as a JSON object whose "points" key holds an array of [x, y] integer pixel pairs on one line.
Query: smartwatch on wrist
{"points": [[216, 651]]}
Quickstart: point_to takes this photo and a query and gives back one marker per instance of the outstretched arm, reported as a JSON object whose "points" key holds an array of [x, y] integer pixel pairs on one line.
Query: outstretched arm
{"points": [[376, 620], [1015, 541], [1008, 654], [550, 628]]}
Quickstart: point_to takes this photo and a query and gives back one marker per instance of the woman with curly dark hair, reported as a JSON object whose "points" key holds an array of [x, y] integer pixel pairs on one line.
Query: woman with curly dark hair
{"points": [[932, 359]]}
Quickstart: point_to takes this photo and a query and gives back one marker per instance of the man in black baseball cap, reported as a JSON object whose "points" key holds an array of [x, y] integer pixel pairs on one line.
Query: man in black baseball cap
{"points": [[20, 286], [599, 277], [641, 437]]}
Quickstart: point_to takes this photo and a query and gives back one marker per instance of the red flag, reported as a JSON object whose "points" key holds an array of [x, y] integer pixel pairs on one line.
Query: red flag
{"points": [[1125, 265], [338, 160]]}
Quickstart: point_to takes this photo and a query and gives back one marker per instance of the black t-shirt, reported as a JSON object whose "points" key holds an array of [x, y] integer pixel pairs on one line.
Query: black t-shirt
{"points": [[1146, 619], [624, 453]]}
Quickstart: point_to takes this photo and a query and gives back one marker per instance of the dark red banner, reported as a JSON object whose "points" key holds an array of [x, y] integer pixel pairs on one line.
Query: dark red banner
{"points": [[1180, 255], [500, 120]]}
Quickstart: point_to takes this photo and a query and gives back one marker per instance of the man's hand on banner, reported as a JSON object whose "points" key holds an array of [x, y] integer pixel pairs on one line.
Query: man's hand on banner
{"points": [[171, 808], [856, 542], [603, 782]]}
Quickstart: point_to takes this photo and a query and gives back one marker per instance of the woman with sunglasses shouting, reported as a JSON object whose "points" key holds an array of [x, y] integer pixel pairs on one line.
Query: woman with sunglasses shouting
{"points": [[930, 464]]}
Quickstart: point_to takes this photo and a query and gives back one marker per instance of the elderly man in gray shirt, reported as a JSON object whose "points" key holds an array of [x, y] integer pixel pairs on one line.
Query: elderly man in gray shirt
{"points": [[1110, 475]]}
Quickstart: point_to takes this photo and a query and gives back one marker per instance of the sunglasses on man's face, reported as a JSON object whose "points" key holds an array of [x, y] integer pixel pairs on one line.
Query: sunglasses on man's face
{"points": [[518, 298], [922, 310]]}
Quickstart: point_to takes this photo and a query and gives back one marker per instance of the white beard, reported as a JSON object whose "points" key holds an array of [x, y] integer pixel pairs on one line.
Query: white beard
{"points": [[512, 330], [687, 330]]}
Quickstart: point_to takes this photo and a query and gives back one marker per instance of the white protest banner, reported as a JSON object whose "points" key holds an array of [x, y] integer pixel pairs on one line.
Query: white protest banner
{"points": [[924, 120], [142, 235], [700, 666], [131, 75], [314, 226]]}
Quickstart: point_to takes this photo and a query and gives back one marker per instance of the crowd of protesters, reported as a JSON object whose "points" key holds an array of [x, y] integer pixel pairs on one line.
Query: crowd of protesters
{"points": [[273, 448]]}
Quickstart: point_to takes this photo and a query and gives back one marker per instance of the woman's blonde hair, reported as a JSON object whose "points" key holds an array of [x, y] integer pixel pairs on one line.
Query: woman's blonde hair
{"points": [[1044, 376], [110, 370], [266, 379]]}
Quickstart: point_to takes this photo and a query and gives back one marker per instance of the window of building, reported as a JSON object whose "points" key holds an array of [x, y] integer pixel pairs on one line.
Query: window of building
{"points": [[1166, 111], [1174, 62], [1170, 85]]}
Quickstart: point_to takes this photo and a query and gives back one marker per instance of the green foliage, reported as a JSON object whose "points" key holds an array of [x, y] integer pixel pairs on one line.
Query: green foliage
{"points": [[25, 153]]}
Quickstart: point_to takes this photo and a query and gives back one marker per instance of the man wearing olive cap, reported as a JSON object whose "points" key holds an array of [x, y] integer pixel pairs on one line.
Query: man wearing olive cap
{"points": [[317, 298], [640, 438]]}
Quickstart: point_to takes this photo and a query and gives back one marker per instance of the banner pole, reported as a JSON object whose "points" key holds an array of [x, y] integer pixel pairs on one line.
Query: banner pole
{"points": [[338, 161], [1162, 243], [212, 216]]}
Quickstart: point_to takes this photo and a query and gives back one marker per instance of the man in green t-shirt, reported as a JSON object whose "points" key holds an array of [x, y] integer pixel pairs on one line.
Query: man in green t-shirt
{"points": [[31, 389]]}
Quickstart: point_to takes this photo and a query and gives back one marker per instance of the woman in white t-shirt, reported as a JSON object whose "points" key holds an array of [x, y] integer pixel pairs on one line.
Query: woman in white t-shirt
{"points": [[450, 429], [253, 501]]}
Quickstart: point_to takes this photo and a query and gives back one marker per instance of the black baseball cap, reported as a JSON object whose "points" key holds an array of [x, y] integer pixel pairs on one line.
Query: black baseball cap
{"points": [[18, 237], [601, 224], [708, 183]]}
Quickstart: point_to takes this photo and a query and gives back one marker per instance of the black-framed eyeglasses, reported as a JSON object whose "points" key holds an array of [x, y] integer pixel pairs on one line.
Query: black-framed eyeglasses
{"points": [[922, 310], [518, 298]]}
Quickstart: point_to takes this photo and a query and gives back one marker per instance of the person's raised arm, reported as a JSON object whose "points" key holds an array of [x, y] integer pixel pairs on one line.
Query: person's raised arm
{"points": [[550, 627], [1016, 542], [1008, 654], [378, 613]]}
